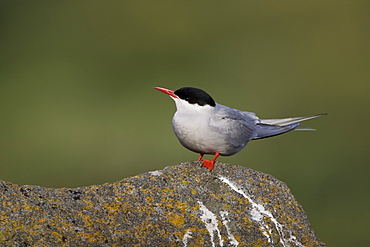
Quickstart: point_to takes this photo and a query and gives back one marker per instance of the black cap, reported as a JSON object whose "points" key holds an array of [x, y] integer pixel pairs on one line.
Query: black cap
{"points": [[195, 96]]}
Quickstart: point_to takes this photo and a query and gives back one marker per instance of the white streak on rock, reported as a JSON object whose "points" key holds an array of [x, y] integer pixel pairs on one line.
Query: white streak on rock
{"points": [[225, 221], [187, 235], [258, 211], [155, 173], [211, 223]]}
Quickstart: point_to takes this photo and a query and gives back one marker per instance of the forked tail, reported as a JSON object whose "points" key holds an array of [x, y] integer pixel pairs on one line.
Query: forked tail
{"points": [[272, 127]]}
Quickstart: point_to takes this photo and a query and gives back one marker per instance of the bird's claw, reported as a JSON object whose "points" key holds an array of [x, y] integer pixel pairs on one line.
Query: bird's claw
{"points": [[209, 164]]}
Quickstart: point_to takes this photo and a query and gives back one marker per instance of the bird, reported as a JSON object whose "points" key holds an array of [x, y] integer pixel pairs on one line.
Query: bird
{"points": [[206, 127]]}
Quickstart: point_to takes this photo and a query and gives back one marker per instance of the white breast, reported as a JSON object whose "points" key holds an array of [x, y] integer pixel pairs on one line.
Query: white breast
{"points": [[191, 126]]}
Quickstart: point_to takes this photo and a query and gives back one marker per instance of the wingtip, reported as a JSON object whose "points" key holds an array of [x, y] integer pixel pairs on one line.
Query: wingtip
{"points": [[315, 116], [305, 129]]}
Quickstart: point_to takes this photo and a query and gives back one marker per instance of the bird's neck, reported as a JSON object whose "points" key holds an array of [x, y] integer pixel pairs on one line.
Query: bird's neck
{"points": [[184, 108]]}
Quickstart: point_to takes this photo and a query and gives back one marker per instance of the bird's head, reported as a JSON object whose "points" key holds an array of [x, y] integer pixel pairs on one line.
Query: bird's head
{"points": [[189, 98]]}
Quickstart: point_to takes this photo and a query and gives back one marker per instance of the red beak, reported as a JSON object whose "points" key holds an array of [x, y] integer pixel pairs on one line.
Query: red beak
{"points": [[167, 91]]}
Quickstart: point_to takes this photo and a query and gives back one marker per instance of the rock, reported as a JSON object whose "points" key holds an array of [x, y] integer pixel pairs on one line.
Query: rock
{"points": [[182, 205]]}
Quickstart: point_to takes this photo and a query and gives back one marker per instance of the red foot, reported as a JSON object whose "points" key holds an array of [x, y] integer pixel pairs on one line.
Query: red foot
{"points": [[209, 163]]}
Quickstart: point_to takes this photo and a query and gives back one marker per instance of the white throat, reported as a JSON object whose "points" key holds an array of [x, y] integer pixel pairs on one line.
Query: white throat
{"points": [[184, 107]]}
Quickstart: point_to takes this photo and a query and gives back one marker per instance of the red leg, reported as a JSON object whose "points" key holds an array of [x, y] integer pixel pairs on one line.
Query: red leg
{"points": [[200, 157], [210, 163]]}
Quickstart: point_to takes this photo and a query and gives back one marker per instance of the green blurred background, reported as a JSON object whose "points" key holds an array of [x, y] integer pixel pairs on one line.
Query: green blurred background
{"points": [[78, 108]]}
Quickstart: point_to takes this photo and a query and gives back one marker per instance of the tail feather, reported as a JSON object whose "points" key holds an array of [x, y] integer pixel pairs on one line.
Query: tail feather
{"points": [[272, 127], [288, 121]]}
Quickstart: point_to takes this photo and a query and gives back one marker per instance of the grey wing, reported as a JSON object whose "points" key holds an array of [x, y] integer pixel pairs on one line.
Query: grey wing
{"points": [[238, 128]]}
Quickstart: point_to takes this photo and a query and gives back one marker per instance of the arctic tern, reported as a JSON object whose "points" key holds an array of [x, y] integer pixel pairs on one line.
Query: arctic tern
{"points": [[205, 127]]}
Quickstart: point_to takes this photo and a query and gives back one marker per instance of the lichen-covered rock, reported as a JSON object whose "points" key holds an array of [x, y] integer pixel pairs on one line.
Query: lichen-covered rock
{"points": [[182, 205]]}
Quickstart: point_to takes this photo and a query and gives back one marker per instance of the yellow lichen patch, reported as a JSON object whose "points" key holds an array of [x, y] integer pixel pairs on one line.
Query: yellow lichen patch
{"points": [[291, 219], [277, 207], [27, 207], [182, 206], [192, 215], [28, 238], [92, 237], [126, 207], [274, 189], [113, 208], [57, 236], [149, 199], [217, 196], [141, 231], [266, 219], [128, 188], [266, 200], [238, 211], [4, 236], [42, 220], [67, 225], [175, 219], [165, 190], [245, 219], [259, 243], [241, 200], [237, 238], [202, 231], [170, 205], [87, 221], [94, 187], [193, 191], [89, 204], [146, 191], [3, 217]]}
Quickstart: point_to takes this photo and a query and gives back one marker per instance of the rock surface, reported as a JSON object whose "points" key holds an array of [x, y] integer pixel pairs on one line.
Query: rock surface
{"points": [[182, 205]]}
